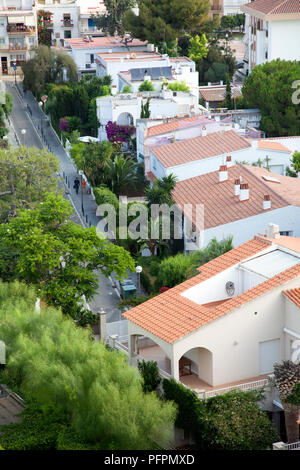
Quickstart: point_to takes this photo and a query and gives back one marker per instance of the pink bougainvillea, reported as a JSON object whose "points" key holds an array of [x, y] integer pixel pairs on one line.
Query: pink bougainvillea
{"points": [[163, 289], [63, 125], [117, 133]]}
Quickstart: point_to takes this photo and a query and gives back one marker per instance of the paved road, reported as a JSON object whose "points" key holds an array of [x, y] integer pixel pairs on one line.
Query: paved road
{"points": [[26, 114]]}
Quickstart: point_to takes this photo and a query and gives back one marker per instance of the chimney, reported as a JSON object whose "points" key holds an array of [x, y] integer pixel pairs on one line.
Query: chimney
{"points": [[223, 173], [244, 192], [254, 144], [204, 131], [273, 231], [267, 202], [229, 161], [237, 184]]}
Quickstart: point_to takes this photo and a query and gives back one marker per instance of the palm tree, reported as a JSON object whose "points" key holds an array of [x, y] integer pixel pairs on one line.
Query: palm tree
{"points": [[287, 375], [121, 174], [161, 191], [96, 161]]}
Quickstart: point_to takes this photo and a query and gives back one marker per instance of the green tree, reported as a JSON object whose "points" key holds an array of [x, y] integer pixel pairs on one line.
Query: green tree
{"points": [[146, 86], [296, 161], [162, 21], [269, 88], [127, 89], [26, 174], [179, 86], [122, 174], [145, 111], [59, 256], [198, 48], [111, 22], [95, 161], [161, 191], [229, 22], [56, 364], [228, 97], [48, 66]]}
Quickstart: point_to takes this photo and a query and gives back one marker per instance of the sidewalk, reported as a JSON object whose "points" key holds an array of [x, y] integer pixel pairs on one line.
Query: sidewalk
{"points": [[41, 134]]}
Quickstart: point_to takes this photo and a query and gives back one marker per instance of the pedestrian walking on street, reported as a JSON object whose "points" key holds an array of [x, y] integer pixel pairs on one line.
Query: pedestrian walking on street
{"points": [[76, 184]]}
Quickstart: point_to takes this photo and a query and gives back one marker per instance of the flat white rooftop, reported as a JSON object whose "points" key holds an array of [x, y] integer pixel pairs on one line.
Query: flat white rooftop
{"points": [[270, 264]]}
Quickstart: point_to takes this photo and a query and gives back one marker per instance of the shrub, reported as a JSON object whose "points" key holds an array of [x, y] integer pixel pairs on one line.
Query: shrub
{"points": [[178, 86], [146, 86], [105, 196], [150, 374], [127, 89], [173, 270]]}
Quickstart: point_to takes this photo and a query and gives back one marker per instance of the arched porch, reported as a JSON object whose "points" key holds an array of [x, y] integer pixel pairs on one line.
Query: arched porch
{"points": [[195, 368], [125, 119]]}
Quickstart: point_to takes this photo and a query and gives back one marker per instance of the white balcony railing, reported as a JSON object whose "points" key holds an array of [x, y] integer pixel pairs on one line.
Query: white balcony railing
{"points": [[244, 386]]}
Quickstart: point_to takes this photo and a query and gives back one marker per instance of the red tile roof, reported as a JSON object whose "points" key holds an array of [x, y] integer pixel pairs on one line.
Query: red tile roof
{"points": [[275, 7], [170, 316], [266, 144], [170, 126], [217, 93], [220, 204], [190, 150], [293, 295]]}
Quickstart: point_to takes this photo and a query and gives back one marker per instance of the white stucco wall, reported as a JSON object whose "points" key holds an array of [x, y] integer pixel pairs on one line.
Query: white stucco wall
{"points": [[287, 218], [284, 40]]}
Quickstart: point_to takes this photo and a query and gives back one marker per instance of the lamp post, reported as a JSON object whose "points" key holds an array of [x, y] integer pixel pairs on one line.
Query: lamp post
{"points": [[23, 132], [81, 180], [138, 270], [41, 106]]}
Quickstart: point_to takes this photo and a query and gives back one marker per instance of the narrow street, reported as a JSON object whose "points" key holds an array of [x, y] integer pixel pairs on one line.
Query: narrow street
{"points": [[26, 114]]}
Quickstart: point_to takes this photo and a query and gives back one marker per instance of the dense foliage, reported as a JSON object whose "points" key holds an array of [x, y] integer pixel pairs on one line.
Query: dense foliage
{"points": [[56, 364], [150, 374], [44, 248], [119, 134], [165, 20], [48, 66], [269, 87], [26, 174], [5, 110], [232, 421], [111, 22]]}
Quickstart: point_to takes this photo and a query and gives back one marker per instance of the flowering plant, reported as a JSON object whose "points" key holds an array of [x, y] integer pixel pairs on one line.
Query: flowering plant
{"points": [[63, 125], [117, 133], [163, 289]]}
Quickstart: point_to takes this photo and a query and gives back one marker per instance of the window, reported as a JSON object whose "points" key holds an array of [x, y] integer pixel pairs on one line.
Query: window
{"points": [[92, 58], [67, 34], [287, 233]]}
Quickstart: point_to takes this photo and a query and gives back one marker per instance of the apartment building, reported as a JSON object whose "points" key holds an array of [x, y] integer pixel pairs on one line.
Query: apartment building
{"points": [[225, 7], [272, 31], [63, 19], [18, 33]]}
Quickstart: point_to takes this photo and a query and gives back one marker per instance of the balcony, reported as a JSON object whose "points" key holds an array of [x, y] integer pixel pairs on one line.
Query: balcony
{"points": [[20, 30], [17, 47], [67, 23]]}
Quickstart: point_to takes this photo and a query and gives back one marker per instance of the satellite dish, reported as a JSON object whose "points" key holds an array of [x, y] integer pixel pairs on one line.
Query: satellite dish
{"points": [[230, 288]]}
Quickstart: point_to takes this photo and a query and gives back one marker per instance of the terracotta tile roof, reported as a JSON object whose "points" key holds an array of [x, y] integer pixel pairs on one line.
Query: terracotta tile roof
{"points": [[288, 189], [220, 204], [292, 243], [108, 42], [266, 144], [275, 7], [293, 295], [217, 93], [190, 150], [151, 175], [170, 316], [170, 126]]}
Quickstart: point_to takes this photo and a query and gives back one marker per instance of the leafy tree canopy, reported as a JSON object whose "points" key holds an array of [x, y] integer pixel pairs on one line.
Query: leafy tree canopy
{"points": [[269, 88], [26, 174], [44, 248], [56, 364], [165, 20], [111, 22]]}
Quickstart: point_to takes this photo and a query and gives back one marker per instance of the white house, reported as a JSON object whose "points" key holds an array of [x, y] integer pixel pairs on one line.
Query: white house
{"points": [[125, 109], [229, 324], [18, 33], [64, 23], [238, 201], [84, 50], [170, 69], [87, 8], [272, 31], [192, 156]]}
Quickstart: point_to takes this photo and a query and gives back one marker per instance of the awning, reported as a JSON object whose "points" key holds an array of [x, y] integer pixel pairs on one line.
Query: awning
{"points": [[29, 20], [16, 19]]}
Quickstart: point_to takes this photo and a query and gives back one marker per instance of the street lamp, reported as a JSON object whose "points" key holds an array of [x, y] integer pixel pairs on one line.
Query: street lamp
{"points": [[138, 270], [41, 106], [23, 132]]}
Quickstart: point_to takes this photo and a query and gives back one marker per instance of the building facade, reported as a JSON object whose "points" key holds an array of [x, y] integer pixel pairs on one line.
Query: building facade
{"points": [[272, 31], [18, 33]]}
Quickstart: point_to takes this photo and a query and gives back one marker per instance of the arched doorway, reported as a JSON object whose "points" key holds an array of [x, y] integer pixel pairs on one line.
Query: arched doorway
{"points": [[125, 119], [196, 367]]}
